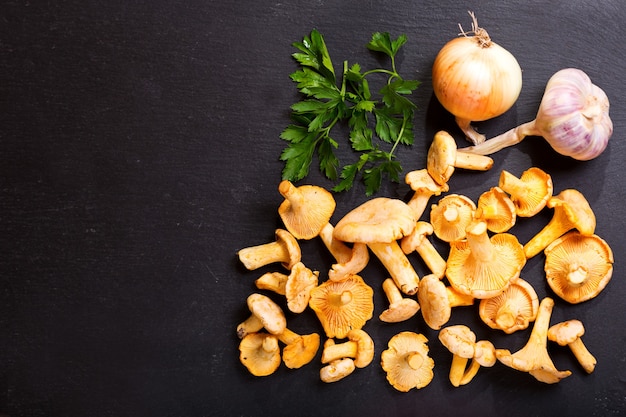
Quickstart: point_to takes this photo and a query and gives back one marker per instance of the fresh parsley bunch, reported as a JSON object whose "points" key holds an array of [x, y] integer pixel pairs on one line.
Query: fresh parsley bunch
{"points": [[328, 102]]}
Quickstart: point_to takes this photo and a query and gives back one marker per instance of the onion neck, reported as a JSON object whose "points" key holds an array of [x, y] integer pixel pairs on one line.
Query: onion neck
{"points": [[506, 139]]}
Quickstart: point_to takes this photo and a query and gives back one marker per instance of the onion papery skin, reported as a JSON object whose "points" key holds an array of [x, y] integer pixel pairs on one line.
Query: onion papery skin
{"points": [[574, 115], [475, 82]]}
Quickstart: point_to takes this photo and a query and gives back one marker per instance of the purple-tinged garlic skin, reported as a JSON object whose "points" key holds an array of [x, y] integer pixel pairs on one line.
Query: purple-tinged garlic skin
{"points": [[574, 115]]}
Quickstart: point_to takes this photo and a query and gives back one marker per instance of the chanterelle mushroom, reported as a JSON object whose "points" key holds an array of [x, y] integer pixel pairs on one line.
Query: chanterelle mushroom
{"points": [[484, 355], [533, 357], [451, 216], [400, 308], [359, 347], [306, 209], [569, 333], [461, 342], [265, 314], [342, 305], [512, 310], [578, 267], [483, 266], [406, 361], [530, 192], [285, 250], [443, 157], [418, 242], [571, 211], [379, 223], [299, 349], [436, 301], [424, 187], [496, 209], [260, 353], [337, 370], [296, 286], [357, 262]]}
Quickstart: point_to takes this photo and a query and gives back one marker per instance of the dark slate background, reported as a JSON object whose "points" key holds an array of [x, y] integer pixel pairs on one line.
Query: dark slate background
{"points": [[139, 145]]}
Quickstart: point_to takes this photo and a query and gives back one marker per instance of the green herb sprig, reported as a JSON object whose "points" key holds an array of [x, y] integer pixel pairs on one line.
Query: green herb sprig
{"points": [[327, 103]]}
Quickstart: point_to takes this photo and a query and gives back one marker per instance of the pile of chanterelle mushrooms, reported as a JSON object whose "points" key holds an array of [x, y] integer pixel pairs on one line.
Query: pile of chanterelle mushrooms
{"points": [[483, 266]]}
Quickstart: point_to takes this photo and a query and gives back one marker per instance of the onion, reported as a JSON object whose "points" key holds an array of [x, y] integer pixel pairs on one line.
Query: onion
{"points": [[475, 79], [573, 118]]}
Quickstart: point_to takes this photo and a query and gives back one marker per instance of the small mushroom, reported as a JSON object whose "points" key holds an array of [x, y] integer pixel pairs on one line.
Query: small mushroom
{"points": [[299, 349], [484, 355], [461, 342], [296, 286], [260, 353], [359, 347], [571, 211], [265, 314], [379, 223], [400, 308], [285, 250], [306, 209], [512, 310], [443, 157], [451, 216], [358, 262], [406, 361], [530, 192], [424, 187], [483, 266], [337, 370], [578, 267], [436, 301], [496, 209], [418, 242], [533, 357], [343, 305], [569, 333]]}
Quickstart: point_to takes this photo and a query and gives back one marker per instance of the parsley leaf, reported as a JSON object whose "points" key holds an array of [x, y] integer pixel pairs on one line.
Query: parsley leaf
{"points": [[329, 100]]}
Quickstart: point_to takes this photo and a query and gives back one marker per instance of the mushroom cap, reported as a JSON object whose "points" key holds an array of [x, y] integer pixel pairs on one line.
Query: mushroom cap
{"points": [[410, 242], [530, 192], [451, 216], [301, 351], [441, 157], [433, 300], [400, 310], [459, 340], [298, 287], [406, 361], [511, 310], [306, 209], [266, 310], [496, 209], [421, 181], [337, 370], [260, 353], [571, 205], [578, 267], [365, 347], [566, 332], [342, 305], [485, 353], [291, 247], [470, 274], [379, 220]]}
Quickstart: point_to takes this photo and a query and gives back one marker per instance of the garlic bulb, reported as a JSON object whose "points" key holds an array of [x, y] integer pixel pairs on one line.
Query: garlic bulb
{"points": [[573, 118]]}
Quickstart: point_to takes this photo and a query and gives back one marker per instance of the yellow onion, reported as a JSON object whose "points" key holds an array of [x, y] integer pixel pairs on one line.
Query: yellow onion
{"points": [[573, 117], [475, 79]]}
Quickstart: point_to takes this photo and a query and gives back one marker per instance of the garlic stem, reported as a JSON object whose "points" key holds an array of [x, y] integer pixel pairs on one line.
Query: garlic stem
{"points": [[506, 139]]}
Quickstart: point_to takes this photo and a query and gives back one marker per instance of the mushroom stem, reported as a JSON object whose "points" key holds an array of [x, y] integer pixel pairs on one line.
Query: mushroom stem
{"points": [[340, 251], [419, 202], [340, 299], [506, 316], [285, 249], [415, 360], [582, 354], [391, 291], [512, 185], [471, 161], [552, 231], [272, 281], [333, 352], [288, 336], [577, 274], [470, 372], [291, 193], [478, 240], [457, 369], [397, 264], [250, 325], [357, 262]]}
